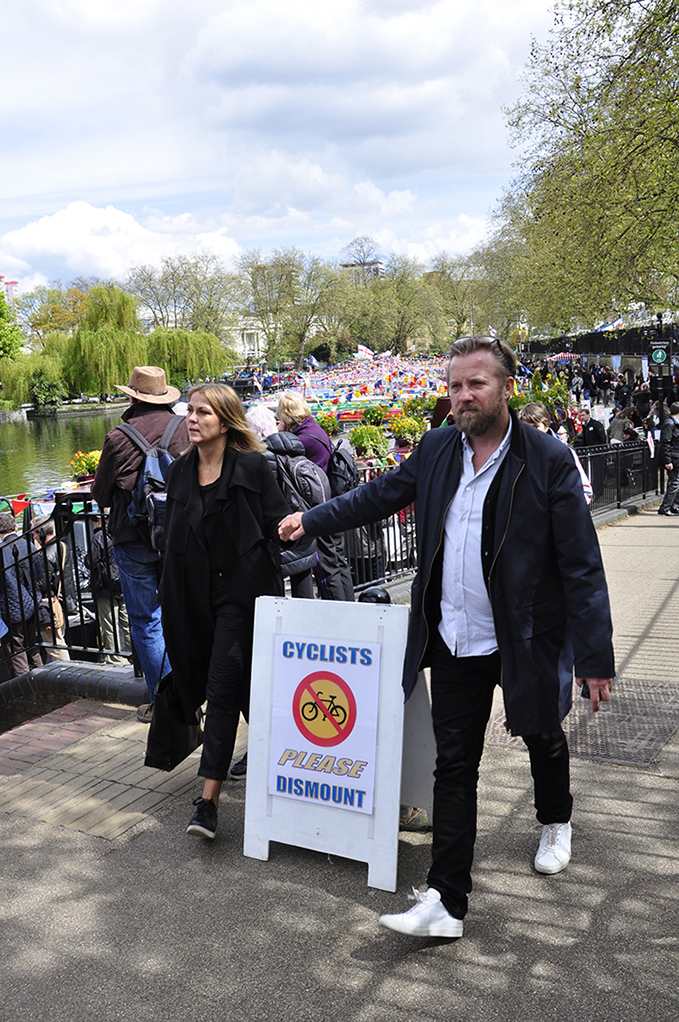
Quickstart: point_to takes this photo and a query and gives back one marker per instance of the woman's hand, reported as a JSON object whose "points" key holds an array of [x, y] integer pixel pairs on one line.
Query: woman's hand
{"points": [[291, 527]]}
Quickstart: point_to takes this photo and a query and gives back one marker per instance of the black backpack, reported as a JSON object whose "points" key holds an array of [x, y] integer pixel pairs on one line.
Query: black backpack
{"points": [[149, 496], [341, 471], [304, 484]]}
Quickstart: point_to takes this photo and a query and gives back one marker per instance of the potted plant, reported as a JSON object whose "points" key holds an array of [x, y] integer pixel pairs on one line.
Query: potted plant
{"points": [[406, 430], [369, 442], [420, 408], [374, 415], [83, 466], [328, 422]]}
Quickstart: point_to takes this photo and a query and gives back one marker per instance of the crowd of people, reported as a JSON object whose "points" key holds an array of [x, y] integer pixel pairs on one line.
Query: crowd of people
{"points": [[248, 502], [37, 591], [226, 509]]}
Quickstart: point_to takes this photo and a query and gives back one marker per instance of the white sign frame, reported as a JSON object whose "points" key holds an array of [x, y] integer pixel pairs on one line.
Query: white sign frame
{"points": [[321, 827]]}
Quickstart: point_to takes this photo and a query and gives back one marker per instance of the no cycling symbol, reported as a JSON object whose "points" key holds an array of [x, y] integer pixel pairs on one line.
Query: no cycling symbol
{"points": [[324, 708]]}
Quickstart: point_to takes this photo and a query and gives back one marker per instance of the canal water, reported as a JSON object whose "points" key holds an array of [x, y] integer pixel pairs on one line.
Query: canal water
{"points": [[35, 453]]}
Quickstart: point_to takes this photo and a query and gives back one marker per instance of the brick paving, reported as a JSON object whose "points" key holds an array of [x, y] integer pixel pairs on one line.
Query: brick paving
{"points": [[40, 738], [82, 767]]}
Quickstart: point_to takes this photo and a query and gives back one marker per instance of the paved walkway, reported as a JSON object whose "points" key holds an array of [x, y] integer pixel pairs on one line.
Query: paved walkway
{"points": [[81, 767], [110, 912]]}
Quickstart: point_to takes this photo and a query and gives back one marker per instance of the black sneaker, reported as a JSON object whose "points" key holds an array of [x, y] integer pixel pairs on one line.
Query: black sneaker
{"points": [[204, 822], [240, 769]]}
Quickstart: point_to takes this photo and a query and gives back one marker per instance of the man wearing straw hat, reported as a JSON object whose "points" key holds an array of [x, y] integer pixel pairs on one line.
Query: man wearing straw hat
{"points": [[139, 566]]}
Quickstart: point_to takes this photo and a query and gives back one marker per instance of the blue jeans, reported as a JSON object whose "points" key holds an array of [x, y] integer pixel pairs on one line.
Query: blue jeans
{"points": [[139, 569]]}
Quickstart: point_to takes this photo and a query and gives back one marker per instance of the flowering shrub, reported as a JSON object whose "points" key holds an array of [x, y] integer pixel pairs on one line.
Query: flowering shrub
{"points": [[370, 440], [374, 414], [420, 408], [84, 464], [328, 422], [407, 429]]}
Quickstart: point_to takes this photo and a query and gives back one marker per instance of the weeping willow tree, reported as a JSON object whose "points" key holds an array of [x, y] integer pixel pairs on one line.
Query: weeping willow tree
{"points": [[109, 343], [36, 377], [188, 354]]}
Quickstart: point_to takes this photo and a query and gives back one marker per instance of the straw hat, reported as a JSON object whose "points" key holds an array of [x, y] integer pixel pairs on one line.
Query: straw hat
{"points": [[148, 384]]}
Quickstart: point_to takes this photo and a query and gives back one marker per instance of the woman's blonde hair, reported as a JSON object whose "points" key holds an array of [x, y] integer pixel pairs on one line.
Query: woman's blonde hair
{"points": [[225, 402], [292, 408]]}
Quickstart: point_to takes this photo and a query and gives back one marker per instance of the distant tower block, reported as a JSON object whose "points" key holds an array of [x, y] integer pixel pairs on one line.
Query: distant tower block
{"points": [[10, 290]]}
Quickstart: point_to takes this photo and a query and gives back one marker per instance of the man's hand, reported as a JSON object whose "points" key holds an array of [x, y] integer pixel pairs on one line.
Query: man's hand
{"points": [[291, 527], [599, 689], [668, 468]]}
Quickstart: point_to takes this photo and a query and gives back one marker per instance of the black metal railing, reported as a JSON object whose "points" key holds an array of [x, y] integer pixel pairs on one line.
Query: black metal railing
{"points": [[49, 599], [74, 571], [619, 473]]}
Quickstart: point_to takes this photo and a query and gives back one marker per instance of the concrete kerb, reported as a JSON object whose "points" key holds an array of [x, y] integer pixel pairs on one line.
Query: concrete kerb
{"points": [[74, 679], [607, 517]]}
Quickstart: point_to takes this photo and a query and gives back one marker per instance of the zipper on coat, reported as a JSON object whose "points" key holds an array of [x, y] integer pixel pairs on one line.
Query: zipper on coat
{"points": [[490, 572], [424, 591]]}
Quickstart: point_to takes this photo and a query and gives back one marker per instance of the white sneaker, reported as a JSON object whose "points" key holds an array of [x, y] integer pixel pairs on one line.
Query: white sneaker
{"points": [[427, 917], [554, 851]]}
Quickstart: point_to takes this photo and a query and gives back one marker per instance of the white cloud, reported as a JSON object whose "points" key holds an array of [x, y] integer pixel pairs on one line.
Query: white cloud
{"points": [[135, 127], [107, 242]]}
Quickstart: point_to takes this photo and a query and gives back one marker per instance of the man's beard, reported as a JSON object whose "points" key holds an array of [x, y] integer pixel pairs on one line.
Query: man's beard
{"points": [[476, 423]]}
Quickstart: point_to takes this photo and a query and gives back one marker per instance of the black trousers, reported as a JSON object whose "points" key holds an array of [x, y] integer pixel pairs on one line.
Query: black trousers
{"points": [[228, 689], [334, 574], [671, 498], [462, 696]]}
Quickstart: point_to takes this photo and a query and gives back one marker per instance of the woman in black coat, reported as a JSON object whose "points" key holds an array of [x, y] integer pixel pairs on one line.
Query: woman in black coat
{"points": [[223, 508]]}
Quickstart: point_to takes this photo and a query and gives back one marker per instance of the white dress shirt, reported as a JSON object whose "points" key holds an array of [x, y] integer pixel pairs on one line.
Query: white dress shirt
{"points": [[466, 624]]}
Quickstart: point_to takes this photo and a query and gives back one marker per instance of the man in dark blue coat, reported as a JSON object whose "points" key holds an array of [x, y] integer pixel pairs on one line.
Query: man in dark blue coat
{"points": [[510, 590]]}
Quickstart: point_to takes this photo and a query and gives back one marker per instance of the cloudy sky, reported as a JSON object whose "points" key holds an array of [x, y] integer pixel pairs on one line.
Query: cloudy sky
{"points": [[136, 128]]}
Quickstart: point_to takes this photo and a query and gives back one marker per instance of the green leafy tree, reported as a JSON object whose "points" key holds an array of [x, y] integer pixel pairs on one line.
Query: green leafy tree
{"points": [[109, 343], [10, 333], [52, 308], [456, 293], [193, 293], [404, 284], [45, 393], [15, 374], [309, 284], [262, 296], [287, 294], [37, 376], [365, 311], [597, 202]]}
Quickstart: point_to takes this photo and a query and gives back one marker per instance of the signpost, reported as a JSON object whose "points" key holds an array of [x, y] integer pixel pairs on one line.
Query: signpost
{"points": [[326, 731], [661, 355]]}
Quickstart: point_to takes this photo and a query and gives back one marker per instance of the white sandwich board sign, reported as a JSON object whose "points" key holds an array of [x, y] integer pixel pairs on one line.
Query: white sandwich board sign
{"points": [[326, 731]]}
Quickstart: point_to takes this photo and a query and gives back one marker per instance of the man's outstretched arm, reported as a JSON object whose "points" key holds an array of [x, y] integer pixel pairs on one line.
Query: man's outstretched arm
{"points": [[291, 527]]}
